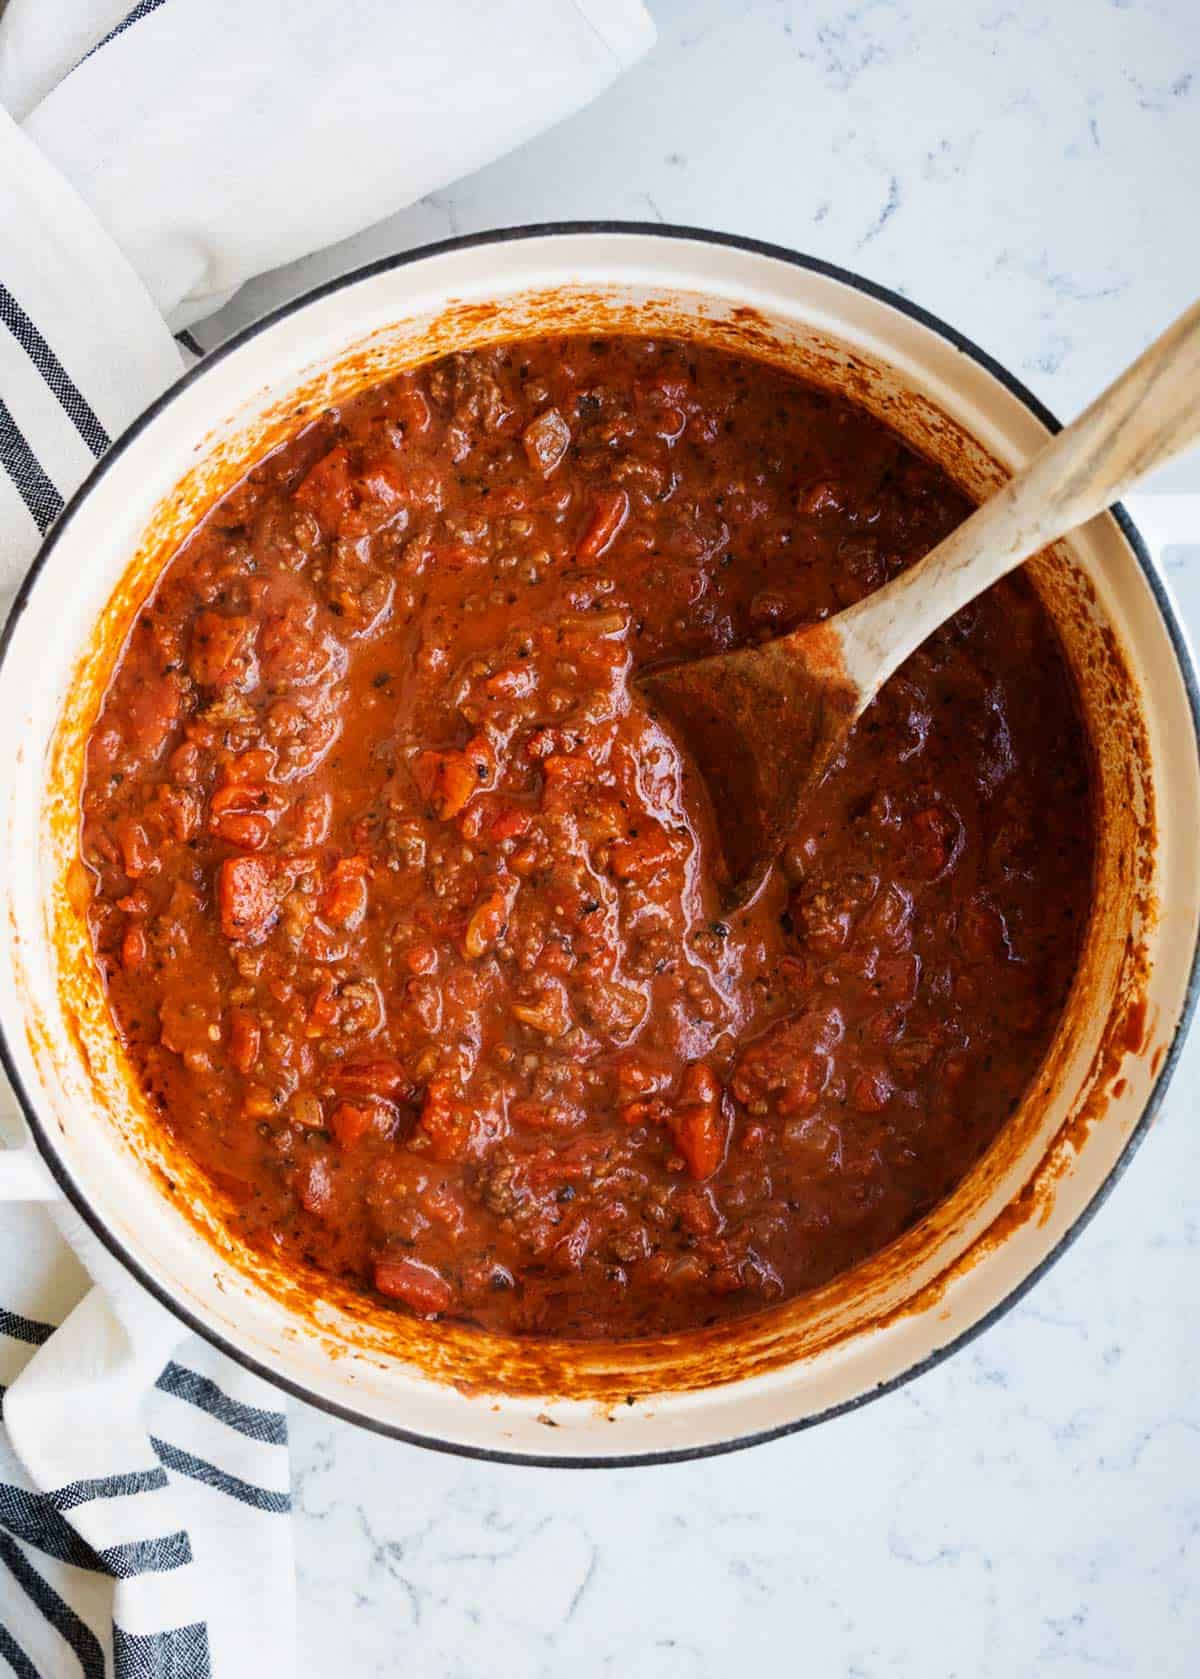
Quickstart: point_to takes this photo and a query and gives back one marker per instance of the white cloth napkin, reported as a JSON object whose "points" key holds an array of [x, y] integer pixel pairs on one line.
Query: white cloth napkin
{"points": [[152, 159]]}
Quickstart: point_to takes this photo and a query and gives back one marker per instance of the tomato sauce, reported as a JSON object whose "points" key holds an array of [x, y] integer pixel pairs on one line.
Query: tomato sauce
{"points": [[404, 917]]}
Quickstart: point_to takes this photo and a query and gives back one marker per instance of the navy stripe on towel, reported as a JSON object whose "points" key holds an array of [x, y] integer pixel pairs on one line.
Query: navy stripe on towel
{"points": [[16, 1658], [183, 1463], [146, 1556], [141, 10], [23, 467], [33, 1518], [268, 1426], [179, 1654], [60, 1615], [107, 1486], [72, 401], [24, 1329], [29, 1518]]}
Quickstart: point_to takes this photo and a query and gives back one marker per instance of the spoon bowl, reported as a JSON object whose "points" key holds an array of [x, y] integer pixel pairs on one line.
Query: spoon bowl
{"points": [[761, 725]]}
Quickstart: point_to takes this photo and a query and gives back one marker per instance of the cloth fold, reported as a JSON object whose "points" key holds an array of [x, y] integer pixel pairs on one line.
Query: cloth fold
{"points": [[152, 158], [346, 112]]}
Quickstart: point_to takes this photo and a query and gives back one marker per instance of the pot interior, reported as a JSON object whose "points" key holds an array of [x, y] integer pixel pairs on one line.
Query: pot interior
{"points": [[804, 1357]]}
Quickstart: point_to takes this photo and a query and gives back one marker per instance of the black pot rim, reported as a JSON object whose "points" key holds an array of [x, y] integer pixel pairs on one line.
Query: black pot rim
{"points": [[855, 282]]}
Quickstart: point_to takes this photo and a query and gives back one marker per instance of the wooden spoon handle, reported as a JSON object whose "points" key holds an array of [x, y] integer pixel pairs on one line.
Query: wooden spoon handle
{"points": [[1145, 418]]}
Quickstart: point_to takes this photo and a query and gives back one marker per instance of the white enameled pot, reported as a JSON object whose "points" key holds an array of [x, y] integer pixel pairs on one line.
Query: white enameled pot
{"points": [[444, 1384]]}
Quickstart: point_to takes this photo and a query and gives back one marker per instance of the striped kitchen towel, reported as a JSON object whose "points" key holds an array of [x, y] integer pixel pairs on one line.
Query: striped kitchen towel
{"points": [[143, 1489], [152, 158]]}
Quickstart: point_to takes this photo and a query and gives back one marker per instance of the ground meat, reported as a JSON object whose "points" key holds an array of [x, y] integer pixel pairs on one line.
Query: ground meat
{"points": [[407, 915]]}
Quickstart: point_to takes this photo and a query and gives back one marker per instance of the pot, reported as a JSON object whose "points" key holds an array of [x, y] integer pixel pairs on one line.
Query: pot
{"points": [[445, 1384]]}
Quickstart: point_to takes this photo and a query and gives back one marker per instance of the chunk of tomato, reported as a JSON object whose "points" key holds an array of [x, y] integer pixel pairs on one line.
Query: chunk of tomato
{"points": [[246, 899], [328, 488], [610, 510], [418, 1285]]}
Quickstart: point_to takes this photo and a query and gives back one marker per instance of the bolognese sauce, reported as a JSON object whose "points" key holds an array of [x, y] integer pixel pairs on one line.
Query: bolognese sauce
{"points": [[409, 929]]}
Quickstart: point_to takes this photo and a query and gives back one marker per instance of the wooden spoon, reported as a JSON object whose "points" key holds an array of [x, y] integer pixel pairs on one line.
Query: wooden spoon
{"points": [[762, 724]]}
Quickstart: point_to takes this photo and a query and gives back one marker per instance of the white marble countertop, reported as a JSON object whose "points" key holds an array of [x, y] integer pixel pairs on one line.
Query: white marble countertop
{"points": [[1027, 169]]}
